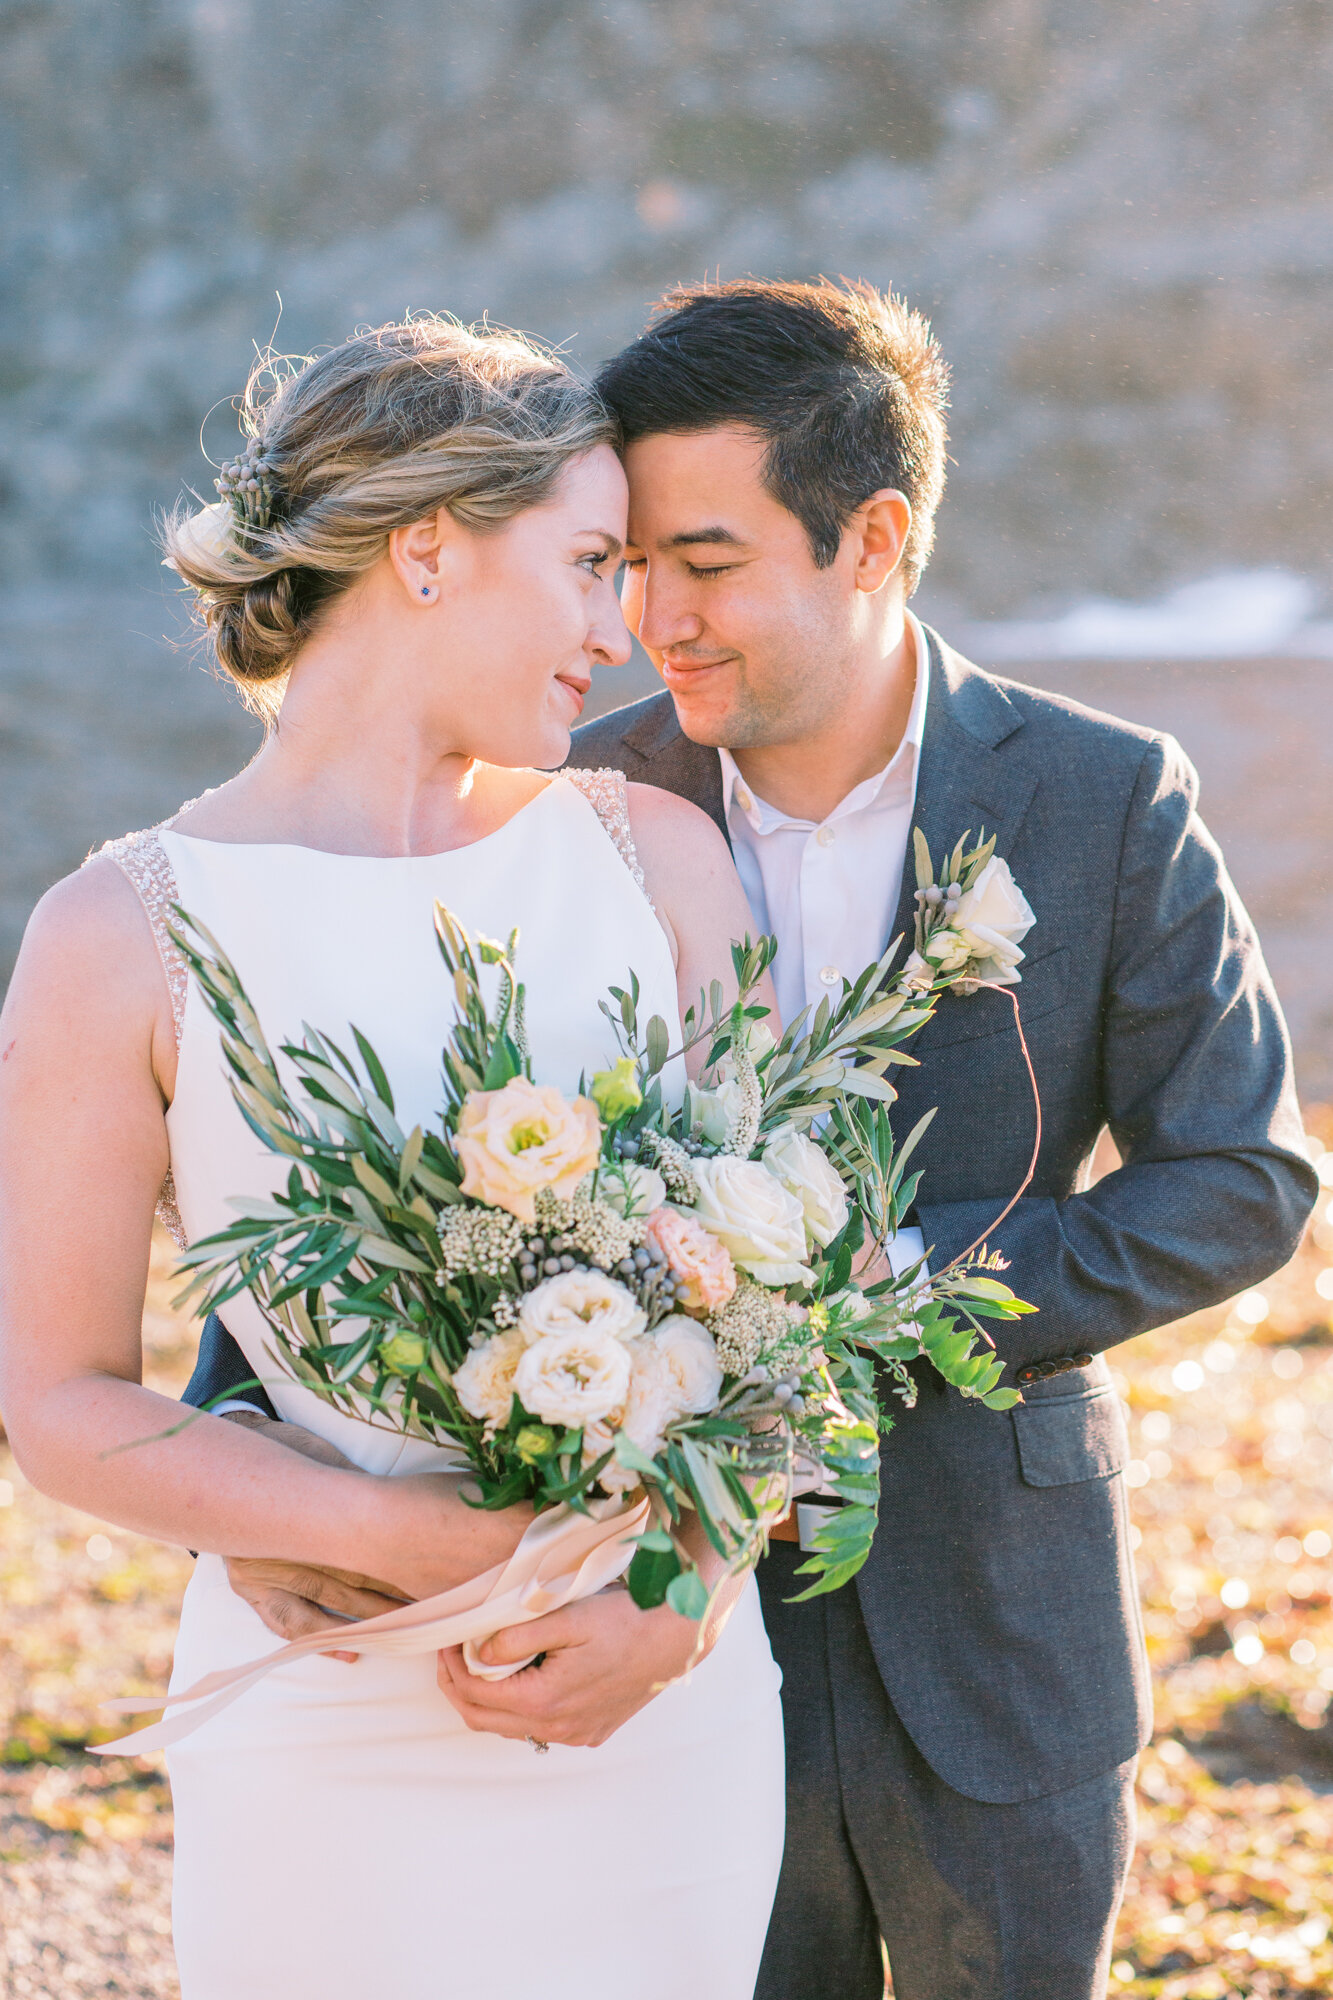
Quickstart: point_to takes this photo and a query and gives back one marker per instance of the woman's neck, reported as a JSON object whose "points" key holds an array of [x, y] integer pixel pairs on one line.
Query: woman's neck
{"points": [[354, 767]]}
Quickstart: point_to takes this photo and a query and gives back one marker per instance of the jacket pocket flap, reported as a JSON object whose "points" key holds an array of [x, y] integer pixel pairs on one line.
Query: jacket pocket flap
{"points": [[1069, 1438], [967, 1017]]}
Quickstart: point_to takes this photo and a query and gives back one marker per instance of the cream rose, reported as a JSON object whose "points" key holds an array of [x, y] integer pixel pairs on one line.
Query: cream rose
{"points": [[516, 1141], [206, 536], [574, 1378], [630, 1189], [806, 1171], [759, 1221], [578, 1299], [485, 1382], [688, 1353], [991, 919], [696, 1257], [716, 1114]]}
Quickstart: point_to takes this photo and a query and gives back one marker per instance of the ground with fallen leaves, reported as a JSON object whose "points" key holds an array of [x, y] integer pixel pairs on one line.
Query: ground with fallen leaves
{"points": [[1231, 1422]]}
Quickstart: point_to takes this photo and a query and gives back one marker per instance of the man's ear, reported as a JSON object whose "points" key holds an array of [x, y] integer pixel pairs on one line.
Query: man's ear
{"points": [[880, 526]]}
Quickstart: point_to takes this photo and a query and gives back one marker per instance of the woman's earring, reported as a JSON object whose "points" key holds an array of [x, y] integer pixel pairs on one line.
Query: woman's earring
{"points": [[425, 590]]}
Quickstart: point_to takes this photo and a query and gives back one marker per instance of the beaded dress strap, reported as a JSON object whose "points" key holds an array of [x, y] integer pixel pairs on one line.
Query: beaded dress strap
{"points": [[144, 862], [606, 793]]}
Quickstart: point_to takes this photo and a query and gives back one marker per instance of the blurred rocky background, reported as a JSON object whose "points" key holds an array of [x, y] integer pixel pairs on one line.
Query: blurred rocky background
{"points": [[1120, 220]]}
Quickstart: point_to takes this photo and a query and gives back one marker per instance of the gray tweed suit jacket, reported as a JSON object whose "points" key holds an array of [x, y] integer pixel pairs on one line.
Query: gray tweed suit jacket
{"points": [[999, 1596]]}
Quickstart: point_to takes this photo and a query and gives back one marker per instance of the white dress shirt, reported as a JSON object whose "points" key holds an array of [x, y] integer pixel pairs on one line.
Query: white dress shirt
{"points": [[828, 891]]}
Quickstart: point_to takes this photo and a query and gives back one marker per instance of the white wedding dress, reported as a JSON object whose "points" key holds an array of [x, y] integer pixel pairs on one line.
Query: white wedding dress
{"points": [[340, 1833]]}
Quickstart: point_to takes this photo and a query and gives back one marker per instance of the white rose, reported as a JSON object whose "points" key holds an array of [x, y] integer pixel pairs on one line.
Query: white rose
{"points": [[206, 537], [715, 1114], [631, 1190], [485, 1382], [689, 1355], [759, 1039], [574, 1378], [747, 1208], [578, 1299], [991, 919], [806, 1171]]}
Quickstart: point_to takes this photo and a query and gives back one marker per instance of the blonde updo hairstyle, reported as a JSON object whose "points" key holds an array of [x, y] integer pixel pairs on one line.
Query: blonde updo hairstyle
{"points": [[379, 432]]}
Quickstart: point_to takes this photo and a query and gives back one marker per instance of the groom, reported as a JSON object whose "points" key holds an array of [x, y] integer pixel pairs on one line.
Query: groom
{"points": [[962, 1725]]}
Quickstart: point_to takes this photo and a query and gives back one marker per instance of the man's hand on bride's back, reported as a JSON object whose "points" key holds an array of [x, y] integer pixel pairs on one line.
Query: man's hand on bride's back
{"points": [[440, 1544]]}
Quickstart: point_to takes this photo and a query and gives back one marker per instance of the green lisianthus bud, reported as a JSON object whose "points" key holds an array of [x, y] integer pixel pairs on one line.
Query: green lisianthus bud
{"points": [[403, 1352], [534, 1443], [616, 1091]]}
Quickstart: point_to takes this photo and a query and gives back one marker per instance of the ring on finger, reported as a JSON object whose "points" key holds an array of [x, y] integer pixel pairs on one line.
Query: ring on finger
{"points": [[537, 1744]]}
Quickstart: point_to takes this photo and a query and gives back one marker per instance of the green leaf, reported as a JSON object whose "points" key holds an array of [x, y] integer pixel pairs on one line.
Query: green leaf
{"points": [[378, 1250], [864, 1083], [925, 867], [634, 1459], [374, 1184], [411, 1160], [657, 1043], [652, 1571], [688, 1595]]}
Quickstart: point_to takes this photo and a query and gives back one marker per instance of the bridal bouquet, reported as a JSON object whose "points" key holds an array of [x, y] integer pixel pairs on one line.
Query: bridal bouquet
{"points": [[612, 1305]]}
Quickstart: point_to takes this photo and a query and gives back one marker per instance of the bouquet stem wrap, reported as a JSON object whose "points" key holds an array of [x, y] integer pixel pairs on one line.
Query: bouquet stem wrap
{"points": [[565, 1555]]}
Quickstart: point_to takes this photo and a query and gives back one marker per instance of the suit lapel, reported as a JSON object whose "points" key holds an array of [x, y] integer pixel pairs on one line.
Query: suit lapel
{"points": [[962, 784], [667, 758]]}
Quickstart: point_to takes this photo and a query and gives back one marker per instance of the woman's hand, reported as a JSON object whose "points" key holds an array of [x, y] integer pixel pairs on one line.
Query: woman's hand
{"points": [[294, 1599]]}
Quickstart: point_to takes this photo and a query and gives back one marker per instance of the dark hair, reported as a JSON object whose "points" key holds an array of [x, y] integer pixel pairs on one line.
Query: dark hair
{"points": [[847, 384]]}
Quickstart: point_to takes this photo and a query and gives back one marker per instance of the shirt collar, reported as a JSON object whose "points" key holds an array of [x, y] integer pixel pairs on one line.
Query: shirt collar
{"points": [[901, 768]]}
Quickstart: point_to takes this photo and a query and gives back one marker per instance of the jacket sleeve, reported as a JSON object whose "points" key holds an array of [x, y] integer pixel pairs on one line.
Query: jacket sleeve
{"points": [[221, 1371], [1215, 1185]]}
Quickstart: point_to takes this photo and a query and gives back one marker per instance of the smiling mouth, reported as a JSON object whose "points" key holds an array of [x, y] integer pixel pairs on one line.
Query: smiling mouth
{"points": [[676, 667], [578, 689]]}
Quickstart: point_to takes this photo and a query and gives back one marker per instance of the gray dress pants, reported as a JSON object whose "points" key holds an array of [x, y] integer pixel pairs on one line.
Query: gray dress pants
{"points": [[973, 1901]]}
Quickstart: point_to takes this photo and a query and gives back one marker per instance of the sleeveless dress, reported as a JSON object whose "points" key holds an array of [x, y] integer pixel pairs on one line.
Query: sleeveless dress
{"points": [[340, 1832]]}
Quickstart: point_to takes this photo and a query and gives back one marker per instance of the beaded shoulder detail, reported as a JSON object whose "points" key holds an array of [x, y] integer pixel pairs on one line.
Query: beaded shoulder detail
{"points": [[143, 860], [606, 793]]}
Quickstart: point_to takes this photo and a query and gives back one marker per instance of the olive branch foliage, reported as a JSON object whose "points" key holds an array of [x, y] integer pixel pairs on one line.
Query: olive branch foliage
{"points": [[344, 1262]]}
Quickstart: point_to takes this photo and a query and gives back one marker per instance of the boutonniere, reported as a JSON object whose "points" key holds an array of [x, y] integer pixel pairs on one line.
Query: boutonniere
{"points": [[970, 919]]}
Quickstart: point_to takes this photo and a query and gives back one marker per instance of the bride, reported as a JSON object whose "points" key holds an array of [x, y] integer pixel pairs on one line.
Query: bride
{"points": [[411, 575]]}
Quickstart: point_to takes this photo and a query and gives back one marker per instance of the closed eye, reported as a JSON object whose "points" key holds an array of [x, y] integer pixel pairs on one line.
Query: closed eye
{"points": [[717, 569]]}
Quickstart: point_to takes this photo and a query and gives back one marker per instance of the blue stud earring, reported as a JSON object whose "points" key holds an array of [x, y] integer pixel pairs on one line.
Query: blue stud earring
{"points": [[425, 590]]}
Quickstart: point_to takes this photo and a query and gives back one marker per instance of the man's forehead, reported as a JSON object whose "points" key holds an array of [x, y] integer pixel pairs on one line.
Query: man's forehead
{"points": [[691, 488]]}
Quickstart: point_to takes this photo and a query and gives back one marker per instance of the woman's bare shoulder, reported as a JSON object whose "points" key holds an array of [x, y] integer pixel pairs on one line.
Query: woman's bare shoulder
{"points": [[664, 818], [90, 929]]}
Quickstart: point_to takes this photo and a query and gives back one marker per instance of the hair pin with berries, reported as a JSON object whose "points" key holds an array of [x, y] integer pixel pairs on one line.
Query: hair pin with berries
{"points": [[248, 486]]}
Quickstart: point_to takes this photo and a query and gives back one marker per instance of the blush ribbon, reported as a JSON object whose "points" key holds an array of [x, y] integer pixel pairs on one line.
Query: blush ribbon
{"points": [[563, 1556]]}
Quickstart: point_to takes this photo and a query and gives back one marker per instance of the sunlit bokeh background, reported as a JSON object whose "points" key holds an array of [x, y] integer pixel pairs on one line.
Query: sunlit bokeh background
{"points": [[1120, 220]]}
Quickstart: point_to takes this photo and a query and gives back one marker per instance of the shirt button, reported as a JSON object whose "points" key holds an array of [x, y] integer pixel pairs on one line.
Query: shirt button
{"points": [[830, 975], [825, 836]]}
